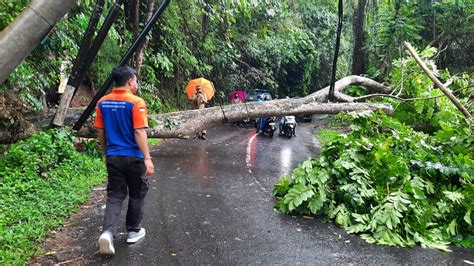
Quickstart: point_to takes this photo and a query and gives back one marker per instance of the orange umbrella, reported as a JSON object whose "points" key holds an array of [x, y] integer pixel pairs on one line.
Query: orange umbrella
{"points": [[206, 86]]}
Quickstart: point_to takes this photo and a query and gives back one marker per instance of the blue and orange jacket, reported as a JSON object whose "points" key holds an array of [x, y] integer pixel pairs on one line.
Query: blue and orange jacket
{"points": [[119, 113]]}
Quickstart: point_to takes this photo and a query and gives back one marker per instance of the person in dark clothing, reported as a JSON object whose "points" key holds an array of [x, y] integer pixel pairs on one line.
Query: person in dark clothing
{"points": [[261, 120], [121, 121]]}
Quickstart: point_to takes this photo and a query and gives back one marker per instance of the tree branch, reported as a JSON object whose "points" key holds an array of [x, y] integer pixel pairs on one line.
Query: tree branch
{"points": [[373, 86], [436, 81], [185, 124]]}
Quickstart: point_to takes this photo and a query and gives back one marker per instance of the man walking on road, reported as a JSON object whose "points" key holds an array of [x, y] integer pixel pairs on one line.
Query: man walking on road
{"points": [[121, 121]]}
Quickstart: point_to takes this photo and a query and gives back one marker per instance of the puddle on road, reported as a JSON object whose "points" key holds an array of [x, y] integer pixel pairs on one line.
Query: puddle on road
{"points": [[251, 150], [285, 161], [286, 155], [197, 161]]}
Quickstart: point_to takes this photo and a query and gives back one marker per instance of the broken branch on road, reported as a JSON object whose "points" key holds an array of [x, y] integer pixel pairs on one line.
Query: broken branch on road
{"points": [[186, 123]]}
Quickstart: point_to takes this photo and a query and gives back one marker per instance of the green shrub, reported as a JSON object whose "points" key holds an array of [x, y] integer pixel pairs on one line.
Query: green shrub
{"points": [[389, 183], [43, 180]]}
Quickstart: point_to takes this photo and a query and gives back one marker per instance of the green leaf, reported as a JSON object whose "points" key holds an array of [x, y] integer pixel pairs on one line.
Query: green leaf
{"points": [[467, 217], [281, 206], [297, 195], [282, 187], [315, 204], [454, 196], [153, 123], [452, 227]]}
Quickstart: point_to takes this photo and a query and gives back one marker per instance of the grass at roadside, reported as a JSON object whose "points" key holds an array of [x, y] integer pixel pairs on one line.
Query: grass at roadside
{"points": [[43, 180]]}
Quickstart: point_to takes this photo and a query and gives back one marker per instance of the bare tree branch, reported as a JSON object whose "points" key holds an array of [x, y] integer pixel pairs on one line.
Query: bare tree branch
{"points": [[365, 97], [373, 86]]}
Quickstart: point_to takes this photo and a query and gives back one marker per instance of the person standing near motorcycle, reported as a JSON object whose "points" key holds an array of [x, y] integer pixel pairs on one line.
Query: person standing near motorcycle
{"points": [[261, 120], [200, 99], [284, 119], [287, 119]]}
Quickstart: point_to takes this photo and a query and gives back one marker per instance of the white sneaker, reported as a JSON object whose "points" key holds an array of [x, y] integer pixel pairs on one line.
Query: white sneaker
{"points": [[106, 243], [133, 237]]}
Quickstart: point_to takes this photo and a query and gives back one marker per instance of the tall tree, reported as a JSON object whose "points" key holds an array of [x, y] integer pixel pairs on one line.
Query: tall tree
{"points": [[140, 53], [359, 56], [205, 20]]}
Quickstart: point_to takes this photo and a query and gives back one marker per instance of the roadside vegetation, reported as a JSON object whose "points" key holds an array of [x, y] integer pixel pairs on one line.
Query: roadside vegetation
{"points": [[402, 181], [43, 180]]}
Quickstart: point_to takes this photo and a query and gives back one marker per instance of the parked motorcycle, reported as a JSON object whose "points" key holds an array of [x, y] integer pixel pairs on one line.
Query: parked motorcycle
{"points": [[269, 127], [288, 126]]}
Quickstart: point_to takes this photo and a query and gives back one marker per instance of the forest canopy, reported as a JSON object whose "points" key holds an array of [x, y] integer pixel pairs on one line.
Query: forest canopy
{"points": [[284, 46]]}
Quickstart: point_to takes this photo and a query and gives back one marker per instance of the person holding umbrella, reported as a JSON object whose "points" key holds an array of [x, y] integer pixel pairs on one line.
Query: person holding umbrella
{"points": [[236, 99], [200, 99], [200, 91]]}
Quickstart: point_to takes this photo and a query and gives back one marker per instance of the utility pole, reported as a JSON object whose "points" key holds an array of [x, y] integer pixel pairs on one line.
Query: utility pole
{"points": [[27, 30]]}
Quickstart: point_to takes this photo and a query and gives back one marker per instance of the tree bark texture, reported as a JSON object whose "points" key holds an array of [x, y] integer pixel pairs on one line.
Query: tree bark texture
{"points": [[26, 32], [136, 18], [373, 86], [359, 57], [140, 53], [205, 20], [187, 123]]}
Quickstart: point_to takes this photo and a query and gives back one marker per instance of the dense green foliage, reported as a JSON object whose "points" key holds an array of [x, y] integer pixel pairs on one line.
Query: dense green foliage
{"points": [[447, 25], [43, 180], [388, 182], [433, 109]]}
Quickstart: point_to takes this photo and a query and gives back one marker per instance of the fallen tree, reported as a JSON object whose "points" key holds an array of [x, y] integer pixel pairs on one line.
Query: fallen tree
{"points": [[186, 123]]}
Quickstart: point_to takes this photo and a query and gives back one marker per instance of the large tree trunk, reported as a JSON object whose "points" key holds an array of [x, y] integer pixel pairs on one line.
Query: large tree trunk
{"points": [[205, 20], [136, 18], [185, 123], [26, 32], [359, 57], [140, 53]]}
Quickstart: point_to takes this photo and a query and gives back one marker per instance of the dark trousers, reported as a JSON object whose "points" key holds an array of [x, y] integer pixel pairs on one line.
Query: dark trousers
{"points": [[126, 174], [261, 122]]}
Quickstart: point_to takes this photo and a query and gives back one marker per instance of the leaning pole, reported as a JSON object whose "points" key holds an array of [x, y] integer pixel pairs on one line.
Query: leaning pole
{"points": [[27, 30]]}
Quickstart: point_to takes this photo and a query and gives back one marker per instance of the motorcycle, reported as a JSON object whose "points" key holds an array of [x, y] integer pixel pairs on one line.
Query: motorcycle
{"points": [[288, 126], [269, 127]]}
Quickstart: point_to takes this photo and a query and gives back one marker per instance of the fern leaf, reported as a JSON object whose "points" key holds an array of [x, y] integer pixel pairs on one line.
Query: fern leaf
{"points": [[297, 195]]}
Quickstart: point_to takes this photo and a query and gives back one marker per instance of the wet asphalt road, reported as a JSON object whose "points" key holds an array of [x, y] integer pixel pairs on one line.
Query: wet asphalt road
{"points": [[210, 202]]}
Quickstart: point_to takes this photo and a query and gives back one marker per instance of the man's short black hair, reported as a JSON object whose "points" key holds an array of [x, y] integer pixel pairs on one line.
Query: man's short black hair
{"points": [[122, 74]]}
